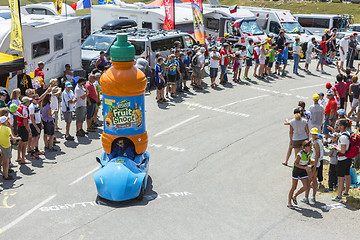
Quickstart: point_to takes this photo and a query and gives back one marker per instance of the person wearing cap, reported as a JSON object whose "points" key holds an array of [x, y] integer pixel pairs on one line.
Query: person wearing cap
{"points": [[92, 100], [172, 71], [322, 100], [224, 61], [54, 105], [80, 106], [5, 147], [330, 113], [68, 100], [35, 127], [225, 39], [332, 180], [316, 113], [344, 163], [322, 55], [315, 162], [352, 52], [214, 65], [279, 57], [23, 129]]}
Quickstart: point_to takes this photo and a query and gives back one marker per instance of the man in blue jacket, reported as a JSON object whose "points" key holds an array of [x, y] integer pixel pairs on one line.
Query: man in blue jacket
{"points": [[121, 150]]}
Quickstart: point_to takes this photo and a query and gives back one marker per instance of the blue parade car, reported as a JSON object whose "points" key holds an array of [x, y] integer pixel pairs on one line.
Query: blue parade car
{"points": [[121, 178]]}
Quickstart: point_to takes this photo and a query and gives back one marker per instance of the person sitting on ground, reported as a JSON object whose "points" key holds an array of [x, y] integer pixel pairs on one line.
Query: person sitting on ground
{"points": [[120, 149]]}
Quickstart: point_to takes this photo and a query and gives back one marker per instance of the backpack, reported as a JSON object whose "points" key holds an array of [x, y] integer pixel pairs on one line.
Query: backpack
{"points": [[304, 47], [354, 146], [195, 60]]}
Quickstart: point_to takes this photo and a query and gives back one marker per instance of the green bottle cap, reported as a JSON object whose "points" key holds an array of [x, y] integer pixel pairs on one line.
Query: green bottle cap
{"points": [[122, 50]]}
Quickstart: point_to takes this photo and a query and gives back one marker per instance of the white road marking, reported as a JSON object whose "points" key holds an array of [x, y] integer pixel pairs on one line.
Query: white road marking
{"points": [[22, 217], [317, 85], [175, 126], [244, 100], [171, 148], [277, 92], [83, 176], [216, 109]]}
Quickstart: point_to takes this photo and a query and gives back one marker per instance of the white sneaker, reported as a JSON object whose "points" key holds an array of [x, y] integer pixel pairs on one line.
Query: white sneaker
{"points": [[317, 70], [323, 72]]}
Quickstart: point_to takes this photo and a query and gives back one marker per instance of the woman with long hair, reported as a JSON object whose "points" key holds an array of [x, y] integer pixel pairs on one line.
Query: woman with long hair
{"points": [[48, 122]]}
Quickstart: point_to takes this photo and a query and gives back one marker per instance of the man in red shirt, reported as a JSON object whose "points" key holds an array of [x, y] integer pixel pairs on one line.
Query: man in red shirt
{"points": [[323, 53], [330, 113], [23, 129], [92, 99], [224, 61]]}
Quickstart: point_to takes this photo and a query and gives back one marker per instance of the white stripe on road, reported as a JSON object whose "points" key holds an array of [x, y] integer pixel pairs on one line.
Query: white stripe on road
{"points": [[317, 85], [22, 217], [83, 176], [244, 100], [175, 126], [216, 109]]}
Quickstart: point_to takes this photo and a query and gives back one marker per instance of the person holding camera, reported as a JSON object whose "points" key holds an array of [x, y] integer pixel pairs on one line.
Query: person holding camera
{"points": [[68, 100]]}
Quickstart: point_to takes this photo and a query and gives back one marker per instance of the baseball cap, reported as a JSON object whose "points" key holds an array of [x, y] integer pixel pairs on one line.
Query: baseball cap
{"points": [[25, 99], [202, 49], [225, 44], [330, 92], [316, 97], [328, 85], [97, 75], [355, 34], [3, 119], [327, 30], [341, 111], [3, 93], [280, 50], [321, 94], [226, 34], [297, 110], [267, 39], [68, 84], [13, 107], [314, 131]]}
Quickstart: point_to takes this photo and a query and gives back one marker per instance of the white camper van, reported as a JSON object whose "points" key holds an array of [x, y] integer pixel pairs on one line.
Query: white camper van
{"points": [[218, 20], [150, 17], [317, 23], [54, 40], [272, 20]]}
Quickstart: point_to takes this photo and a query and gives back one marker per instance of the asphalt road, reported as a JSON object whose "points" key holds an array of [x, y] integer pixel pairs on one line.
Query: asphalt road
{"points": [[215, 173]]}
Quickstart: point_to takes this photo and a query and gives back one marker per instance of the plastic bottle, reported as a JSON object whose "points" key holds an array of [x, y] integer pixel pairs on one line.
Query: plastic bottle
{"points": [[123, 87]]}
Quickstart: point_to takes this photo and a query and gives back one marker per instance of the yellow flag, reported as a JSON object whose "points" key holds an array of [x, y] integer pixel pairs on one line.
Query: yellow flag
{"points": [[16, 37], [58, 6]]}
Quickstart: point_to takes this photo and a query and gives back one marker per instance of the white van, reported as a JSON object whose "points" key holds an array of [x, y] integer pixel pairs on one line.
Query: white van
{"points": [[272, 20], [317, 23], [54, 40], [146, 42]]}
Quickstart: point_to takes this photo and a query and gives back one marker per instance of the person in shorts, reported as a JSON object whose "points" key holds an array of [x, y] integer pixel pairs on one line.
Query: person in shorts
{"points": [[5, 146], [48, 120], [23, 129], [35, 126], [214, 65], [80, 106], [344, 163], [249, 58], [68, 100], [159, 81], [173, 69], [92, 100]]}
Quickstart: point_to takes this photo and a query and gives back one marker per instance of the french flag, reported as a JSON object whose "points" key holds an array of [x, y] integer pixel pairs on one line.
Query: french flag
{"points": [[237, 23], [233, 9], [81, 4]]}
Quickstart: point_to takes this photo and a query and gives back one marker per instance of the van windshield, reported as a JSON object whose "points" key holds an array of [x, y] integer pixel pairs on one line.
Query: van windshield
{"points": [[293, 27], [98, 43], [252, 27]]}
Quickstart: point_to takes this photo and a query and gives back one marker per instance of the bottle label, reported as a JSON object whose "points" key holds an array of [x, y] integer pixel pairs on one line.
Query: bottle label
{"points": [[124, 115]]}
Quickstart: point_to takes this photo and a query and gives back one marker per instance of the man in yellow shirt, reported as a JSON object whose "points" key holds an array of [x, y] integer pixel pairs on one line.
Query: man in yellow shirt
{"points": [[5, 146]]}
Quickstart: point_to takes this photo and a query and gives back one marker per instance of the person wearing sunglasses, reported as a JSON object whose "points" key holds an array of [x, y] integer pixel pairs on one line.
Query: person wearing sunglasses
{"points": [[121, 149]]}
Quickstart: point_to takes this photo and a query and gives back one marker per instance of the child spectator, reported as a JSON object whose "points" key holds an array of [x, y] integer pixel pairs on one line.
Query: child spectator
{"points": [[279, 58], [160, 81], [272, 58], [3, 95], [236, 67], [333, 162], [285, 57], [341, 88], [15, 99], [48, 121], [5, 146]]}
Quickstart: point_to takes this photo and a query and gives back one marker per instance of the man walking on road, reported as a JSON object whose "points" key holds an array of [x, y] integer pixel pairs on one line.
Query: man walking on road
{"points": [[323, 53]]}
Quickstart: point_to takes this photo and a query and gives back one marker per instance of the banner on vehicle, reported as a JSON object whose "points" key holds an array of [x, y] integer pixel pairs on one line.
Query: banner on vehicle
{"points": [[16, 37], [58, 6], [104, 2], [169, 23], [199, 30]]}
